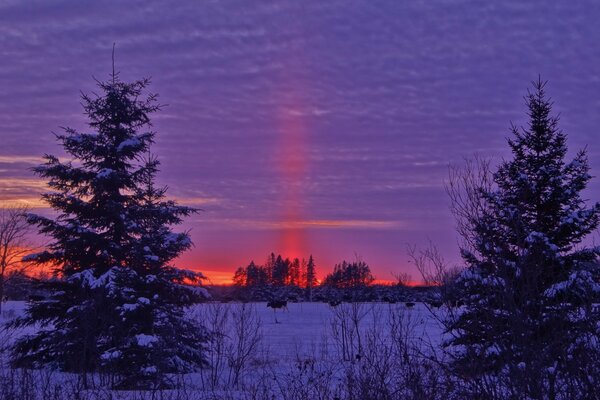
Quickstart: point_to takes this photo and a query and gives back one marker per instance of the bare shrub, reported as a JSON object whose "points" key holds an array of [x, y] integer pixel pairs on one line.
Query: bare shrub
{"points": [[394, 363], [465, 186], [346, 325], [215, 316], [235, 338], [244, 340], [13, 244], [314, 376]]}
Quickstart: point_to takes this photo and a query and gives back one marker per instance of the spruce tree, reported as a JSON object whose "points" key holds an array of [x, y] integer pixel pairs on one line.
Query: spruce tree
{"points": [[116, 304], [527, 328], [311, 277]]}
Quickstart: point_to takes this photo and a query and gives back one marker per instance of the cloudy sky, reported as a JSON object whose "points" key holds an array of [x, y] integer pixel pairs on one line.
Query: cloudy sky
{"points": [[299, 127]]}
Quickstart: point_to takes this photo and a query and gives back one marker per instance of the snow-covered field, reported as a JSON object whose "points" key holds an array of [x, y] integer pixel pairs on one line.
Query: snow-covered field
{"points": [[302, 326], [302, 348]]}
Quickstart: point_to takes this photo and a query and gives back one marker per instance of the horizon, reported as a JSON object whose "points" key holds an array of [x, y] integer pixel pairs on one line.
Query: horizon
{"points": [[303, 128]]}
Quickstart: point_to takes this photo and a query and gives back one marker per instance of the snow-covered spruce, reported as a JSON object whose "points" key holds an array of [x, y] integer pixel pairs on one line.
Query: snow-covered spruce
{"points": [[117, 305], [527, 328]]}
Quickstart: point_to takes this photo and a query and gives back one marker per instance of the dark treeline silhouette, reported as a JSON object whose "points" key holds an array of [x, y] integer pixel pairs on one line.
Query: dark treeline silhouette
{"points": [[296, 280], [349, 275], [278, 272]]}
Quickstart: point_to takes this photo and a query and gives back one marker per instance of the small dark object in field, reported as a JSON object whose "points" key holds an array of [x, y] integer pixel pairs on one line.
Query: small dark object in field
{"points": [[277, 304], [334, 303], [435, 304], [409, 304]]}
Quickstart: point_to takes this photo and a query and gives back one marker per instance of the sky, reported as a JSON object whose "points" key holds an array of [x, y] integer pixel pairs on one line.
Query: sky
{"points": [[303, 127]]}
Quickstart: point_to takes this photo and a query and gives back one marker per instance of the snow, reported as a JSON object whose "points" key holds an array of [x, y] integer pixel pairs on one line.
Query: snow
{"points": [[88, 278], [144, 340], [302, 332], [130, 306], [133, 142], [577, 281], [202, 292], [179, 238], [149, 370], [110, 355], [302, 326]]}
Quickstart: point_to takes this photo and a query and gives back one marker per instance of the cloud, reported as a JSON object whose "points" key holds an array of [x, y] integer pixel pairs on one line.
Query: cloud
{"points": [[194, 201], [31, 202], [10, 159], [245, 224], [385, 95], [22, 192], [363, 224]]}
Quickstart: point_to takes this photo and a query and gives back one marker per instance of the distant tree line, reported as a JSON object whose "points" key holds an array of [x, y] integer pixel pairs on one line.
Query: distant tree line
{"points": [[349, 275], [296, 280], [278, 271]]}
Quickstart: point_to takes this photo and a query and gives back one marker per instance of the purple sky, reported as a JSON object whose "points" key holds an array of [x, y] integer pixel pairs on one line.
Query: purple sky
{"points": [[303, 126]]}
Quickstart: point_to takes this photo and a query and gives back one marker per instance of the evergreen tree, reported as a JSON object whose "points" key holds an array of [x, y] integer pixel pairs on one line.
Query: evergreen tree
{"points": [[117, 304], [269, 266], [256, 275], [280, 271], [527, 325], [311, 276], [240, 277], [348, 275], [294, 272]]}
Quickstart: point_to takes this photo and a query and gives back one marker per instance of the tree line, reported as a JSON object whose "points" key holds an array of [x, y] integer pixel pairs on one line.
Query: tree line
{"points": [[278, 271]]}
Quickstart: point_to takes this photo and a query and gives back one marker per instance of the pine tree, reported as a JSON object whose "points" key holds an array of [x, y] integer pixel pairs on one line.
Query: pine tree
{"points": [[294, 272], [240, 277], [117, 304], [529, 284], [311, 276], [280, 271], [350, 275]]}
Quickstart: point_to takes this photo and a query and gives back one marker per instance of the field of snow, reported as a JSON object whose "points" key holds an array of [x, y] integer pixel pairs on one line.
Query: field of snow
{"points": [[303, 347], [303, 326]]}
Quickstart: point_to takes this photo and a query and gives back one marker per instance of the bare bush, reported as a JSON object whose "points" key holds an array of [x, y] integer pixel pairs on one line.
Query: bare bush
{"points": [[13, 243], [465, 186], [215, 317], [235, 339], [313, 376], [346, 326], [244, 341], [403, 279], [395, 360]]}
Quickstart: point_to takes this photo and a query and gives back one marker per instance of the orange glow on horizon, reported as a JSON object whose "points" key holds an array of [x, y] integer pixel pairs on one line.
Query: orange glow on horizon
{"points": [[224, 278], [217, 277]]}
